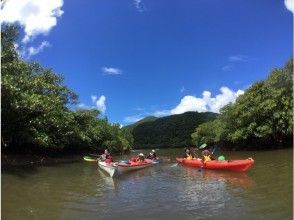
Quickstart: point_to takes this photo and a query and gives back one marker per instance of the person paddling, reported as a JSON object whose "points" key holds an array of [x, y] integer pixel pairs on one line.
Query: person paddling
{"points": [[108, 159], [188, 154], [105, 155], [207, 156], [141, 157], [152, 155]]}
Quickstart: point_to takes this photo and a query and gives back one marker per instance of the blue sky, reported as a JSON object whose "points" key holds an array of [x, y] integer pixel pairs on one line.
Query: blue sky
{"points": [[134, 58]]}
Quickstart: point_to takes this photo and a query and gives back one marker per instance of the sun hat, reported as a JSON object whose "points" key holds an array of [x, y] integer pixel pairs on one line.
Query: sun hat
{"points": [[141, 154]]}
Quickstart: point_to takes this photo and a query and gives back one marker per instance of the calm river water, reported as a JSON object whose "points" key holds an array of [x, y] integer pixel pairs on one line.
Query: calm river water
{"points": [[81, 191]]}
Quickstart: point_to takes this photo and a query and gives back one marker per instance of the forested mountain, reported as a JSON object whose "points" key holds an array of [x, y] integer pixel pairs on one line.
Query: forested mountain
{"points": [[146, 119], [169, 131]]}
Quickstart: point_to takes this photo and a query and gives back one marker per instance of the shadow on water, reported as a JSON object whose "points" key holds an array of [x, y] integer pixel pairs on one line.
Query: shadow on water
{"points": [[20, 171]]}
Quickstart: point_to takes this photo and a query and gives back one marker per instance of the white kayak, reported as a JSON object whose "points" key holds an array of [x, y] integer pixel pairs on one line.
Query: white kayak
{"points": [[109, 168]]}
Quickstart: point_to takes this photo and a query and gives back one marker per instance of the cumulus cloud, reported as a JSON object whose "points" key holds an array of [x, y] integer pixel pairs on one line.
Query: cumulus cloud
{"points": [[36, 16], [206, 103], [100, 103], [35, 50], [290, 5], [203, 104], [111, 71]]}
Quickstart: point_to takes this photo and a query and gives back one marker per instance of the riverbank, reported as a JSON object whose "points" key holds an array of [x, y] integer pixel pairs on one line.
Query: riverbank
{"points": [[14, 160]]}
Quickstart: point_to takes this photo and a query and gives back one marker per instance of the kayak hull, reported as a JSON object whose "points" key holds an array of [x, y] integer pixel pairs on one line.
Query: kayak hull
{"points": [[232, 165], [132, 166], [108, 168], [155, 161]]}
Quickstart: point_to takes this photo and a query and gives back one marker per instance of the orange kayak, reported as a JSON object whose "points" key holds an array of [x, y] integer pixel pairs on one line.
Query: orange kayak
{"points": [[233, 165]]}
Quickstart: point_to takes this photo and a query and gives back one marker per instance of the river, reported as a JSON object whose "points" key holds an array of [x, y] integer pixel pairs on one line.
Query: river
{"points": [[81, 191]]}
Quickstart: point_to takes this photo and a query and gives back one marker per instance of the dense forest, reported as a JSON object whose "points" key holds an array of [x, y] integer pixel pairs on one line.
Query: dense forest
{"points": [[260, 118], [169, 131], [37, 110]]}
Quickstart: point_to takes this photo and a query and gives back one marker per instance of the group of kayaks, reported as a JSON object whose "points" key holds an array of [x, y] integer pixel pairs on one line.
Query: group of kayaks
{"points": [[125, 166]]}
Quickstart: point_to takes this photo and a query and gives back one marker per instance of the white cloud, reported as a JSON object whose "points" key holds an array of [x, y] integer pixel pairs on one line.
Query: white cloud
{"points": [[162, 113], [203, 104], [35, 50], [206, 103], [227, 68], [133, 118], [36, 16], [290, 5], [83, 106], [100, 104], [139, 5], [238, 58], [190, 103], [94, 98], [111, 71]]}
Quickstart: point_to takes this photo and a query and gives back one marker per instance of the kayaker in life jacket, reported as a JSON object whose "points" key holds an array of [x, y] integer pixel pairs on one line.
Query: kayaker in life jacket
{"points": [[141, 157], [152, 155], [207, 156], [188, 154], [108, 159], [104, 156]]}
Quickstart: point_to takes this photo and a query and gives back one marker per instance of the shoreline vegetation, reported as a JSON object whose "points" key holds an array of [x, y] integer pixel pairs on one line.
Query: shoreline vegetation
{"points": [[39, 113], [41, 123]]}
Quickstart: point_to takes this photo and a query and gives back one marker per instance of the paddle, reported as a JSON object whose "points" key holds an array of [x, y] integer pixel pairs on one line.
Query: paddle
{"points": [[202, 146], [174, 165], [215, 146]]}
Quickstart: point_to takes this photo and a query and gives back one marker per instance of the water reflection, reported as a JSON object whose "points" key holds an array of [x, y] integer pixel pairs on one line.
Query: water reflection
{"points": [[237, 179], [83, 191]]}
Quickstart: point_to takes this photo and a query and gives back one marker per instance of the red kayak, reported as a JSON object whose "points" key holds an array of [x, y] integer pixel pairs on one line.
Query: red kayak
{"points": [[234, 165], [131, 166]]}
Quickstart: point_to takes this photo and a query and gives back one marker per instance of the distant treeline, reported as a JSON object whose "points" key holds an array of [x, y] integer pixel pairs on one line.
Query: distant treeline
{"points": [[36, 112], [260, 118], [169, 131]]}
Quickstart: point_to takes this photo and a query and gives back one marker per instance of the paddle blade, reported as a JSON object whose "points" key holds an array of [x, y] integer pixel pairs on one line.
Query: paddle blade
{"points": [[174, 165], [202, 146]]}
